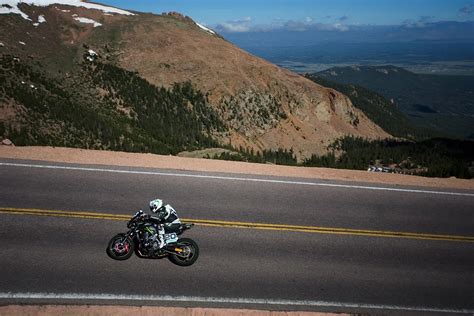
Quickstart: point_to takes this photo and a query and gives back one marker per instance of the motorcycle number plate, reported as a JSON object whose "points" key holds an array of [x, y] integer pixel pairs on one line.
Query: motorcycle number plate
{"points": [[170, 238]]}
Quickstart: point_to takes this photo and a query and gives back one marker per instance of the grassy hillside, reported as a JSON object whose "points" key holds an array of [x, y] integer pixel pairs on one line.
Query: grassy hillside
{"points": [[102, 106]]}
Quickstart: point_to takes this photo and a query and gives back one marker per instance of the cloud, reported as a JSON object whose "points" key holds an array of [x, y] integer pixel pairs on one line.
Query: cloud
{"points": [[310, 25], [306, 24], [426, 19], [343, 18], [340, 27], [422, 21], [299, 26], [236, 26], [466, 10]]}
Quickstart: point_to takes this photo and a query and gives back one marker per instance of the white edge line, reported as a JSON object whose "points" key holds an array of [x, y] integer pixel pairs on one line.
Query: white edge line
{"points": [[234, 178], [200, 299]]}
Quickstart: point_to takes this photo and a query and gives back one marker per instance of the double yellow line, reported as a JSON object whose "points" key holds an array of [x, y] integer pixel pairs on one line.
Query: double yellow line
{"points": [[58, 213], [260, 226]]}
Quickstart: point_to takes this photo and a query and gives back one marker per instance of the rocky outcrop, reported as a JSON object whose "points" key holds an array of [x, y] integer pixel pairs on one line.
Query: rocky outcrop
{"points": [[7, 142]]}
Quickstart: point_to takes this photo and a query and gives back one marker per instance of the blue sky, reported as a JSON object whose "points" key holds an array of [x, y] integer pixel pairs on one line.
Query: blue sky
{"points": [[246, 15]]}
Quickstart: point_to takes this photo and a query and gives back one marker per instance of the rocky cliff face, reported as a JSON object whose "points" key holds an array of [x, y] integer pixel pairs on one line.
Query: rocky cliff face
{"points": [[261, 105]]}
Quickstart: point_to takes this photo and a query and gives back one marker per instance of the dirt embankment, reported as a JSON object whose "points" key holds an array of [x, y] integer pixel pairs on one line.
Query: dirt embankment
{"points": [[82, 156]]}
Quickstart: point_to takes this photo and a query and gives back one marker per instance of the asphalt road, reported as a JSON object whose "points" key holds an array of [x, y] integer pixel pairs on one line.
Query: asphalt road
{"points": [[250, 268]]}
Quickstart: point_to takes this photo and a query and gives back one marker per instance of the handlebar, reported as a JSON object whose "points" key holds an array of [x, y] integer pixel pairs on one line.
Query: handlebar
{"points": [[134, 217], [138, 213]]}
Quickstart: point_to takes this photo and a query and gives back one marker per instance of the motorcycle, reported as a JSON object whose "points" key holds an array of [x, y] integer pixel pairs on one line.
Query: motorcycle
{"points": [[142, 238]]}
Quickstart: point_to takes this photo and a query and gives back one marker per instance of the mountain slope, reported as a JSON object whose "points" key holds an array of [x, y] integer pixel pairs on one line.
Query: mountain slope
{"points": [[440, 102], [256, 104], [381, 111], [102, 107]]}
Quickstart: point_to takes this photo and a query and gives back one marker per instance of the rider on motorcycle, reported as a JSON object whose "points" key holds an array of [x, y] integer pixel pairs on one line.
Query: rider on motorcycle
{"points": [[166, 219]]}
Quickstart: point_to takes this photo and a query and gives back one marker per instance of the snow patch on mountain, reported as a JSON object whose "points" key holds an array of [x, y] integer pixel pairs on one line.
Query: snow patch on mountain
{"points": [[205, 28], [11, 6], [87, 21], [41, 19], [91, 55]]}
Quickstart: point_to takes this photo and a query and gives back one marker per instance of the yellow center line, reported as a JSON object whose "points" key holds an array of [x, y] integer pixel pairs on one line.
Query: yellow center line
{"points": [[247, 225]]}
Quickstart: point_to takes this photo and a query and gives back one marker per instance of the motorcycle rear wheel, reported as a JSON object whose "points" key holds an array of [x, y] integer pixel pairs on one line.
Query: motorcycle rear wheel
{"points": [[189, 255], [120, 247]]}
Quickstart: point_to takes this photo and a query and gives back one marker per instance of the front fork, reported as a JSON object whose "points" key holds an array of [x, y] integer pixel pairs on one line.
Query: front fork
{"points": [[128, 234]]}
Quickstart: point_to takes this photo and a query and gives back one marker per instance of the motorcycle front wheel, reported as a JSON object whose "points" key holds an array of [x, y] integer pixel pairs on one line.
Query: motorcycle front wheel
{"points": [[120, 247], [188, 255]]}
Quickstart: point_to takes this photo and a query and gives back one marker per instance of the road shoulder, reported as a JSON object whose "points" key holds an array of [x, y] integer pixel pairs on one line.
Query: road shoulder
{"points": [[110, 158]]}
